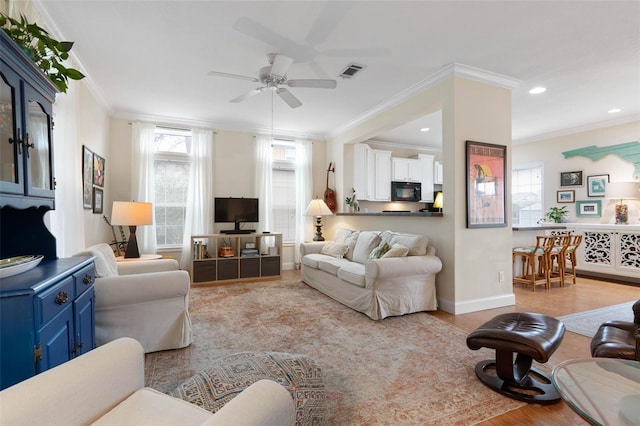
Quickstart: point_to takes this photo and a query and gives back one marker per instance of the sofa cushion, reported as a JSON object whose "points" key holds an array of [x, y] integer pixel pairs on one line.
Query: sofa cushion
{"points": [[312, 259], [367, 241], [351, 242], [332, 265], [341, 235], [148, 406], [105, 260], [337, 250], [397, 250], [353, 273]]}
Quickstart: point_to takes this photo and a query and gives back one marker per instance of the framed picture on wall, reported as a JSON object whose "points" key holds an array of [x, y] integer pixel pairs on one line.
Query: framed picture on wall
{"points": [[568, 196], [98, 200], [98, 170], [486, 191], [596, 185], [571, 178], [87, 177], [588, 208]]}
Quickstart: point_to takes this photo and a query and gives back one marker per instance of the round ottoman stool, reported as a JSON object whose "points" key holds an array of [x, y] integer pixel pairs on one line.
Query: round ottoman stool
{"points": [[530, 336]]}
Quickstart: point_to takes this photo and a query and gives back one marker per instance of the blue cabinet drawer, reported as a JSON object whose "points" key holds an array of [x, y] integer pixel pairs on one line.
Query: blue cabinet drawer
{"points": [[51, 303], [84, 278]]}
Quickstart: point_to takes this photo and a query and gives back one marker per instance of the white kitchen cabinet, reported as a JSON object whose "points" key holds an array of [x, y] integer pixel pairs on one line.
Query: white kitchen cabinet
{"points": [[406, 170], [372, 173], [425, 163], [437, 172]]}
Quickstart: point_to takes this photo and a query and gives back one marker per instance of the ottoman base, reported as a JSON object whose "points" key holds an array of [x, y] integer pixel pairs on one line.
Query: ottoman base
{"points": [[540, 390]]}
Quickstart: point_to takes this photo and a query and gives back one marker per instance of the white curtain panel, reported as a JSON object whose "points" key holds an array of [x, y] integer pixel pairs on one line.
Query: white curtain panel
{"points": [[199, 211], [303, 192], [142, 180], [264, 182]]}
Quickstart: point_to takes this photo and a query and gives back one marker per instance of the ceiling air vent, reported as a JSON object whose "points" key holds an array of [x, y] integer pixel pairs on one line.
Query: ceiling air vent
{"points": [[351, 70]]}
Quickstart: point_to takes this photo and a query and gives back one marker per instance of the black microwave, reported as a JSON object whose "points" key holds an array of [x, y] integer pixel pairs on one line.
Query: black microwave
{"points": [[405, 191]]}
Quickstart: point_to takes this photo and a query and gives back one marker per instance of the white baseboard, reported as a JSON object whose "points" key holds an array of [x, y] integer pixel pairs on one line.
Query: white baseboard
{"points": [[466, 306]]}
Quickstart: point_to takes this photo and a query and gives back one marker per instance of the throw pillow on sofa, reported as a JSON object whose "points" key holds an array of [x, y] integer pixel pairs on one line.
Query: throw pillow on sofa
{"points": [[379, 251], [397, 250], [337, 250], [367, 241]]}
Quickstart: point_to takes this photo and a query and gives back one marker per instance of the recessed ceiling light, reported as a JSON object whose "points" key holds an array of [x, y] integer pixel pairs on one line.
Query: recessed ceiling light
{"points": [[537, 90], [614, 110], [424, 129]]}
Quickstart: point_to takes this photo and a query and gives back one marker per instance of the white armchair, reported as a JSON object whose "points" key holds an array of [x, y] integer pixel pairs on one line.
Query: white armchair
{"points": [[147, 300]]}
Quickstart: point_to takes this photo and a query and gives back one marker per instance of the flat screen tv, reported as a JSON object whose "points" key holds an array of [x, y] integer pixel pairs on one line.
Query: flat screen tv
{"points": [[236, 211]]}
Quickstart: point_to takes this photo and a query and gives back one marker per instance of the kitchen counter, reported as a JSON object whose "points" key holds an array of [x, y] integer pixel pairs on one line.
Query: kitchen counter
{"points": [[401, 213], [538, 228]]}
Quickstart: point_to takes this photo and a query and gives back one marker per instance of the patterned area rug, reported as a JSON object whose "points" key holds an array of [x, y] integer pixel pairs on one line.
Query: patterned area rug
{"points": [[586, 323], [212, 388], [408, 370]]}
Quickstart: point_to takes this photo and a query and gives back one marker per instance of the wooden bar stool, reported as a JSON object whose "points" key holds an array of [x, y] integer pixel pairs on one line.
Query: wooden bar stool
{"points": [[534, 262], [572, 257], [556, 262]]}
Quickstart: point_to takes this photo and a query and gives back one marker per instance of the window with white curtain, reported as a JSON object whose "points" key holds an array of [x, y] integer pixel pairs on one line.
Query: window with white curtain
{"points": [[526, 194], [284, 188], [171, 168]]}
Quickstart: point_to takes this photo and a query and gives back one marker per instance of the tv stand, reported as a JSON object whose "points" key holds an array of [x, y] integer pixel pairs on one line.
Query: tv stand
{"points": [[235, 257], [237, 231]]}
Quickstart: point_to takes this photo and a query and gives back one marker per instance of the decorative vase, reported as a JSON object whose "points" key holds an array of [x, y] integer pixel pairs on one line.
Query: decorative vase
{"points": [[622, 214]]}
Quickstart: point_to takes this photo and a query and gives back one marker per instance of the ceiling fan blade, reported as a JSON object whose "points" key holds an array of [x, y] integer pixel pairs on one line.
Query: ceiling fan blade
{"points": [[288, 97], [226, 74], [280, 65], [315, 83], [247, 95]]}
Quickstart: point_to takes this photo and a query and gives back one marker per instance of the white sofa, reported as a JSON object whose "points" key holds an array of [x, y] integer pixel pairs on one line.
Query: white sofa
{"points": [[147, 300], [345, 270], [106, 387]]}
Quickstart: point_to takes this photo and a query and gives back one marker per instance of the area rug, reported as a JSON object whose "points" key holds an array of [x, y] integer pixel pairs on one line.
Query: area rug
{"points": [[586, 323], [408, 370]]}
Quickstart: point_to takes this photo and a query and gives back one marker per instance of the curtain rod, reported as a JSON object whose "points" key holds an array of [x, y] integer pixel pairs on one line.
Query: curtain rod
{"points": [[176, 128]]}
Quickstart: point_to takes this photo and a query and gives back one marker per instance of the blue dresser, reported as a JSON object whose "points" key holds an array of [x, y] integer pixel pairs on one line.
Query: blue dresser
{"points": [[46, 317]]}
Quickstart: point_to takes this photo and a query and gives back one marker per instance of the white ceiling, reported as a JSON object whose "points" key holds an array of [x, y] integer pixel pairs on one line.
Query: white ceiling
{"points": [[151, 58]]}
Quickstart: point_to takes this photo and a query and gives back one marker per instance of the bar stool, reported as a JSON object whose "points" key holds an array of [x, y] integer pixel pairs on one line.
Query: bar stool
{"points": [[572, 257], [557, 259], [534, 262]]}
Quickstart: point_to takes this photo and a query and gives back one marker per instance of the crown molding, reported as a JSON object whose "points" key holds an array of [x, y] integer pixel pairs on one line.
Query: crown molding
{"points": [[395, 145], [578, 129], [452, 70]]}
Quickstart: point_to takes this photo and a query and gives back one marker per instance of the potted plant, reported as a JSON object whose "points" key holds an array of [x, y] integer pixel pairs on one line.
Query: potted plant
{"points": [[47, 52], [554, 215]]}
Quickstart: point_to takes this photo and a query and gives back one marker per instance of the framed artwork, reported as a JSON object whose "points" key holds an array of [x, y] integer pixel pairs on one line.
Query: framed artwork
{"points": [[87, 177], [486, 192], [596, 185], [98, 200], [98, 170], [571, 178], [568, 196], [588, 208]]}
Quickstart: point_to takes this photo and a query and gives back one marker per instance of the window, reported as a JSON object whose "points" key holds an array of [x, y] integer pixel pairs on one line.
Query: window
{"points": [[526, 195], [171, 170], [284, 188]]}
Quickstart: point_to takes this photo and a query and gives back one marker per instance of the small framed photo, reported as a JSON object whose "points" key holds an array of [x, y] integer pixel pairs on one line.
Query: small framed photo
{"points": [[588, 208], [571, 178], [98, 200], [98, 170], [568, 196], [596, 185], [87, 177]]}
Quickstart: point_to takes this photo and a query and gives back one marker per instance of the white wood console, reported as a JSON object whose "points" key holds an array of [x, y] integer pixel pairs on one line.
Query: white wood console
{"points": [[220, 258]]}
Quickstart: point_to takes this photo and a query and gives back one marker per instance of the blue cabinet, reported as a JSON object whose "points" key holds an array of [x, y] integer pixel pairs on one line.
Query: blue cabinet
{"points": [[46, 317]]}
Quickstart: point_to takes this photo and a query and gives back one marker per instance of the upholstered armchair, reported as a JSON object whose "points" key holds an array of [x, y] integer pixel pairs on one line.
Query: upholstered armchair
{"points": [[618, 339], [147, 300]]}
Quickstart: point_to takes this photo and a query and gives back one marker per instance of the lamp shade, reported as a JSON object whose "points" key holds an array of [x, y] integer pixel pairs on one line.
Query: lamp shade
{"points": [[131, 213], [623, 190], [439, 200], [318, 207]]}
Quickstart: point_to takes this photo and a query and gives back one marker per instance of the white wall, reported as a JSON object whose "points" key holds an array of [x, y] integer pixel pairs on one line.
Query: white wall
{"points": [[549, 152]]}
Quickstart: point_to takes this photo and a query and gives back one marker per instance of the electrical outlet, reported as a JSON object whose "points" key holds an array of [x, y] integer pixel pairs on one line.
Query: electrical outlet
{"points": [[500, 276]]}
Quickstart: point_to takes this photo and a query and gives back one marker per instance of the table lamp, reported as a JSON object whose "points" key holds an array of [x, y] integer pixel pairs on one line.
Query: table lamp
{"points": [[131, 214], [438, 202], [318, 208], [622, 191]]}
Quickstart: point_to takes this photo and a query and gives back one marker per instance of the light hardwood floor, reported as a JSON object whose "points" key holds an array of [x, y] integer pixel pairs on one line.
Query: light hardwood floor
{"points": [[586, 294]]}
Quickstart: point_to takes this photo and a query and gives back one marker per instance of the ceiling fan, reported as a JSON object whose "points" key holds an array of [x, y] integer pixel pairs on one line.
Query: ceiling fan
{"points": [[275, 75]]}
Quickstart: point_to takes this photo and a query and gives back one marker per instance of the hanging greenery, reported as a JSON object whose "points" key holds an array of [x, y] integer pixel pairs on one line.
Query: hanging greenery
{"points": [[45, 51]]}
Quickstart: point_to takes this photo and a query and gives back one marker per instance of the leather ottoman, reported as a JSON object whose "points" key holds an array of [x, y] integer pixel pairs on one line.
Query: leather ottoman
{"points": [[531, 337]]}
